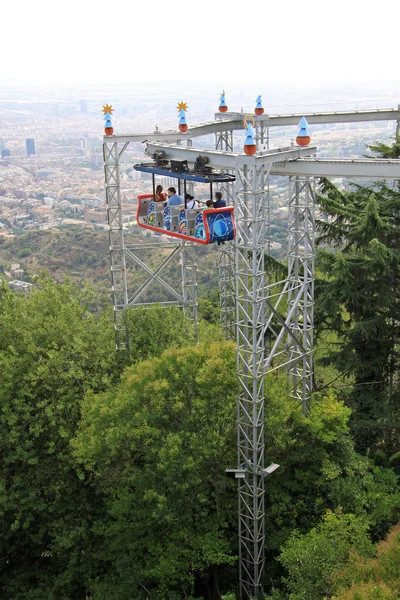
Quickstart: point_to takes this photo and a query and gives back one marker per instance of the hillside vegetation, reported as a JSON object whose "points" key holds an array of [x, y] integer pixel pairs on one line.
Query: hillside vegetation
{"points": [[83, 256]]}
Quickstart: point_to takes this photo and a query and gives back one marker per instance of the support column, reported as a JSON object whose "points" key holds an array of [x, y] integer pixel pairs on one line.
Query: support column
{"points": [[262, 132], [224, 141], [116, 241], [226, 273], [250, 325], [226, 259], [301, 253], [189, 282]]}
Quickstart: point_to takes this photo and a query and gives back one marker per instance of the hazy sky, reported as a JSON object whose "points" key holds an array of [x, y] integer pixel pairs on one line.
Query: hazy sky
{"points": [[82, 41]]}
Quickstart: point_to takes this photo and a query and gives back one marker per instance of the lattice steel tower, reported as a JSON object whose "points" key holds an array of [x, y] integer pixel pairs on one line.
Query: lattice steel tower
{"points": [[272, 321]]}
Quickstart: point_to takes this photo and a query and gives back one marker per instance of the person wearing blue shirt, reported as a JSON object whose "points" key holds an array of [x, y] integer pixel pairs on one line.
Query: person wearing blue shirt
{"points": [[219, 203], [173, 198]]}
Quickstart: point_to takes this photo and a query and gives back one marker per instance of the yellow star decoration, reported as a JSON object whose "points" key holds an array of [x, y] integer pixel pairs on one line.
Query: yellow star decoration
{"points": [[108, 108], [182, 105]]}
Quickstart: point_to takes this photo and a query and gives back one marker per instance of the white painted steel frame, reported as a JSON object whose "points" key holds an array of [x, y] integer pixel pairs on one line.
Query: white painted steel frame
{"points": [[301, 256], [120, 253], [116, 241], [232, 121], [250, 325], [189, 282], [266, 339], [226, 257]]}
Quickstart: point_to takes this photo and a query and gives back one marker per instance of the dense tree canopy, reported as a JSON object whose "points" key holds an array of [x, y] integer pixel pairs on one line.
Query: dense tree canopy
{"points": [[52, 351], [311, 559], [373, 579], [360, 301], [158, 447]]}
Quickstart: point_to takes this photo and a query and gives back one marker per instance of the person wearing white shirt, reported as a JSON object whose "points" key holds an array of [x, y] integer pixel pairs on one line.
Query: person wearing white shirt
{"points": [[191, 202]]}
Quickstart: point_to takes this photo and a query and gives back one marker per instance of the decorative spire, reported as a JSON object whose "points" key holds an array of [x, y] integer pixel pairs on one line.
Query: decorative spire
{"points": [[259, 107], [222, 104], [108, 111], [303, 139], [182, 108], [249, 143]]}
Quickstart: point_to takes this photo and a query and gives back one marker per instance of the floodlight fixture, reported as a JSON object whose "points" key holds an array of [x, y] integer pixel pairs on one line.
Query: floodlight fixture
{"points": [[269, 470], [236, 473]]}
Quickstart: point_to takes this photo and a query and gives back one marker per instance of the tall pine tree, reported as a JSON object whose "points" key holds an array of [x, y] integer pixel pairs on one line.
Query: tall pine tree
{"points": [[359, 300]]}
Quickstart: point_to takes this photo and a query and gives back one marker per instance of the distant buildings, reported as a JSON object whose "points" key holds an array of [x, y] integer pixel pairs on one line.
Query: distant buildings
{"points": [[84, 107], [5, 153], [30, 147]]}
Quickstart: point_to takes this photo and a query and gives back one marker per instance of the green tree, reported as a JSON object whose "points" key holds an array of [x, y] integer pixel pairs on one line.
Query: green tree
{"points": [[158, 446], [373, 579], [52, 351], [311, 559], [319, 469], [151, 331], [386, 151], [359, 300]]}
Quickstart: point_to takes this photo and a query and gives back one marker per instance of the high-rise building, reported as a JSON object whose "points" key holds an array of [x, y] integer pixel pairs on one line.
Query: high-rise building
{"points": [[2, 144], [30, 146], [84, 106], [5, 153]]}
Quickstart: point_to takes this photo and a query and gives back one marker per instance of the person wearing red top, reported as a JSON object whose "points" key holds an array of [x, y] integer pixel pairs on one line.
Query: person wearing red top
{"points": [[160, 195]]}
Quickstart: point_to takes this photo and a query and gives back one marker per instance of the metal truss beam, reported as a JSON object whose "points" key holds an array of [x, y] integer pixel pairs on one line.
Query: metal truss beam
{"points": [[189, 282], [227, 293], [232, 121], [291, 161], [301, 253], [226, 255], [224, 141], [153, 276], [116, 241], [250, 324], [268, 336], [120, 252], [231, 160], [371, 168]]}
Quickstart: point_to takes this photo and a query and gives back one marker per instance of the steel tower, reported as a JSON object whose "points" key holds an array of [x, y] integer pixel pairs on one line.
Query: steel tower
{"points": [[268, 336]]}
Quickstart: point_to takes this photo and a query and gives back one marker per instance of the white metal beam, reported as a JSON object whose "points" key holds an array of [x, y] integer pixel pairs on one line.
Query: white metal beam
{"points": [[230, 160], [235, 119], [235, 122], [371, 168]]}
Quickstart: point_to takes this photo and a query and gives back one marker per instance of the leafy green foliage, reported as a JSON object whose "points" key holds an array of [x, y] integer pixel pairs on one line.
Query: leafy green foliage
{"points": [[319, 468], [386, 151], [311, 559], [158, 446], [359, 300], [374, 579], [52, 351], [151, 331]]}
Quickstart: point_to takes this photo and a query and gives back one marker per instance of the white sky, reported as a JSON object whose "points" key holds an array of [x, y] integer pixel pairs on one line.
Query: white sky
{"points": [[82, 41]]}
